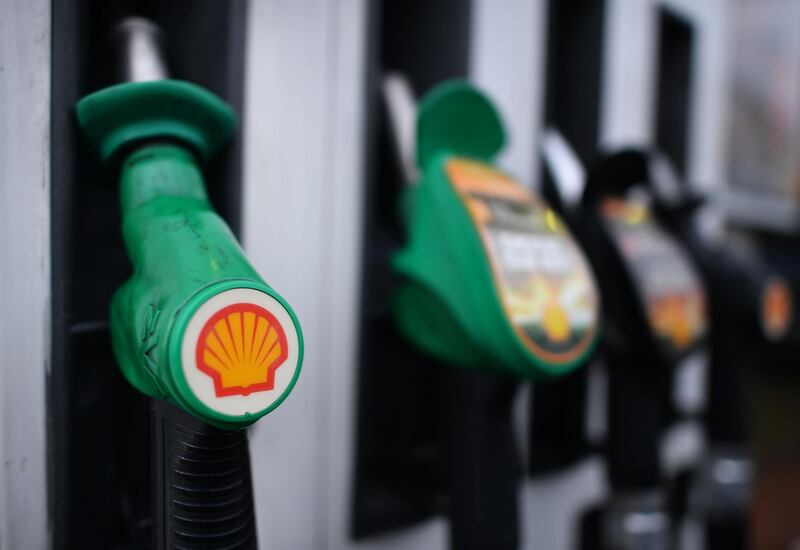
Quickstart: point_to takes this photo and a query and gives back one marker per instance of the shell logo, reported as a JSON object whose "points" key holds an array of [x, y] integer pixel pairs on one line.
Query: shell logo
{"points": [[556, 322], [776, 308], [240, 347], [679, 319], [241, 352]]}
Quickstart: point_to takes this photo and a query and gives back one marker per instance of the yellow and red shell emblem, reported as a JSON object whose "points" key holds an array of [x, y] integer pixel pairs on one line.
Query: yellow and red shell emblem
{"points": [[240, 347], [776, 308]]}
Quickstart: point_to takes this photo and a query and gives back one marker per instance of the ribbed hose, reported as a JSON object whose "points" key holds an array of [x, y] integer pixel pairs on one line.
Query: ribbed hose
{"points": [[636, 517], [484, 468], [203, 495], [728, 426], [636, 423], [727, 536], [557, 426]]}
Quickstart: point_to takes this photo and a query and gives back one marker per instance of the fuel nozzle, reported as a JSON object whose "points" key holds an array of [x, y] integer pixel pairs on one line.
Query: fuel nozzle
{"points": [[490, 276], [489, 279], [195, 324]]}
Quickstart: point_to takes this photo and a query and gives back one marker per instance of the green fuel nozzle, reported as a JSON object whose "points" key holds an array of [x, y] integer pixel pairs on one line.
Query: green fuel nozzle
{"points": [[195, 324], [491, 277]]}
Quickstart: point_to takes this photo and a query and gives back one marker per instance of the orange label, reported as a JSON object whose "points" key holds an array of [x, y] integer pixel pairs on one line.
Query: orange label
{"points": [[240, 347], [776, 308], [544, 284]]}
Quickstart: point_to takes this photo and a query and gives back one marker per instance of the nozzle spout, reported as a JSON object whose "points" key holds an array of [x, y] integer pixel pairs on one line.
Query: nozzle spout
{"points": [[140, 57]]}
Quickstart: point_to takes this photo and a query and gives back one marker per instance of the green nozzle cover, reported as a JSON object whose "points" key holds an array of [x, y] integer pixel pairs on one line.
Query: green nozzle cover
{"points": [[134, 112], [491, 277], [458, 118]]}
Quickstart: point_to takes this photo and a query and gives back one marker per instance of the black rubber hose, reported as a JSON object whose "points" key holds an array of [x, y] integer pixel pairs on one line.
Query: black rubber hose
{"points": [[202, 488], [635, 423], [558, 424], [730, 535], [727, 425], [483, 462], [727, 412]]}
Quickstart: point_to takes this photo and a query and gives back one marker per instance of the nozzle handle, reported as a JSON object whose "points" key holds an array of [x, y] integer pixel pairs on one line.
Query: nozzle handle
{"points": [[402, 109], [569, 174]]}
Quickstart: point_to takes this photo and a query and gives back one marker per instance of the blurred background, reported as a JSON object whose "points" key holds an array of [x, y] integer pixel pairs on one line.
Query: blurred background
{"points": [[361, 455]]}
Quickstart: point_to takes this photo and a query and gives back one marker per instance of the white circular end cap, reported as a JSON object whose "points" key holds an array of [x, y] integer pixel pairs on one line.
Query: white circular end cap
{"points": [[240, 352]]}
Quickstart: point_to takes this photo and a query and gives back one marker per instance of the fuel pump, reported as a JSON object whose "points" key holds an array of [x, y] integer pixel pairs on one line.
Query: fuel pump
{"points": [[195, 327], [751, 308], [491, 282], [655, 316]]}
